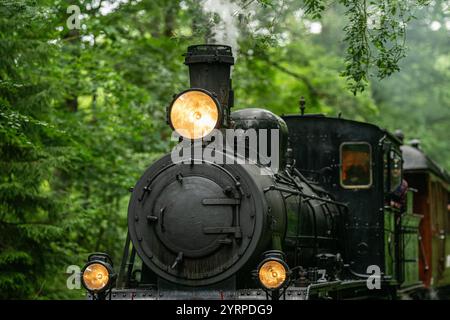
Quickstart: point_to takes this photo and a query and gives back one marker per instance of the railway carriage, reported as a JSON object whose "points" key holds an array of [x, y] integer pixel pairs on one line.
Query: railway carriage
{"points": [[431, 185]]}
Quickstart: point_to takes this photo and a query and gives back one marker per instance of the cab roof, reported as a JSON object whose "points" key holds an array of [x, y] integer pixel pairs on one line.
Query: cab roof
{"points": [[352, 122], [416, 160]]}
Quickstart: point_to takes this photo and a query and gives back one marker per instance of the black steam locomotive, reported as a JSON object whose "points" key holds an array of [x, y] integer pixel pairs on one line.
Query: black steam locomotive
{"points": [[320, 224]]}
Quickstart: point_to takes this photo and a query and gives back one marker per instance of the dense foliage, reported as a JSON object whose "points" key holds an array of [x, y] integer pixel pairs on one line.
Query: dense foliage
{"points": [[82, 111]]}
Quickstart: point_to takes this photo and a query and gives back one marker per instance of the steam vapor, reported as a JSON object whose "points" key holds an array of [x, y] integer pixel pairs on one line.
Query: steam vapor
{"points": [[226, 30]]}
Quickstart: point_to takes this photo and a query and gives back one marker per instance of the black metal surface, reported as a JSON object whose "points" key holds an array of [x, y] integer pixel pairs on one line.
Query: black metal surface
{"points": [[209, 69], [196, 225], [200, 224], [121, 279], [257, 119], [316, 143], [313, 291], [314, 223]]}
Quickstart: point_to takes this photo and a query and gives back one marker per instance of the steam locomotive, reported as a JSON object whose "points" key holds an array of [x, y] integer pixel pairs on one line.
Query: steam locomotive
{"points": [[333, 219]]}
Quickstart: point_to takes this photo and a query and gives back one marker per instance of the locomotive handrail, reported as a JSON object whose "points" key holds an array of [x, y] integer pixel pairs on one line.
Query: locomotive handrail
{"points": [[423, 254], [273, 187], [126, 250]]}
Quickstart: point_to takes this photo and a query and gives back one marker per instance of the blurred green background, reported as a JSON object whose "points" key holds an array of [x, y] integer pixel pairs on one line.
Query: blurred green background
{"points": [[82, 111]]}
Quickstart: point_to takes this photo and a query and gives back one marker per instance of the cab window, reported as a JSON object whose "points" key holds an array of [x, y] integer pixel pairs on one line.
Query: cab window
{"points": [[356, 165]]}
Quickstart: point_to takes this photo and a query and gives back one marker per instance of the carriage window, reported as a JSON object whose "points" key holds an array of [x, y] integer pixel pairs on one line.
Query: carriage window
{"points": [[396, 170], [356, 169]]}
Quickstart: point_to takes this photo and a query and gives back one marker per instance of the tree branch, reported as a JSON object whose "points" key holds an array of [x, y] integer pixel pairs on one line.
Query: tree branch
{"points": [[315, 93]]}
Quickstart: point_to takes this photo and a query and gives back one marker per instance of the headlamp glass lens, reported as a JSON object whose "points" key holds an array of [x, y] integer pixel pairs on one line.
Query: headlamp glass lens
{"points": [[95, 277], [194, 114], [272, 274]]}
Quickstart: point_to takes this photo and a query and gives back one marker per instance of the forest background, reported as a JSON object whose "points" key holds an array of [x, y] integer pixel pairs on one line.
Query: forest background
{"points": [[84, 86]]}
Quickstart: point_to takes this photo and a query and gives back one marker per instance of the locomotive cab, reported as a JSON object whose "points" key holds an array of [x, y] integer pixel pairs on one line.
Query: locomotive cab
{"points": [[361, 165]]}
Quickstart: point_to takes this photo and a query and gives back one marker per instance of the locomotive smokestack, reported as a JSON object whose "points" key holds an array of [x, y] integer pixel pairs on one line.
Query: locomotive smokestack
{"points": [[210, 69]]}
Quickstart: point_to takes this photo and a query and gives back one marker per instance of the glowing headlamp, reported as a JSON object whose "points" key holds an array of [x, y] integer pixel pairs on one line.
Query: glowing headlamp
{"points": [[98, 274], [194, 114], [273, 272]]}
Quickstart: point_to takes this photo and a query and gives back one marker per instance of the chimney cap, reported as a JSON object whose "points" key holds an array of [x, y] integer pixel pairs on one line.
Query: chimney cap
{"points": [[209, 53]]}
